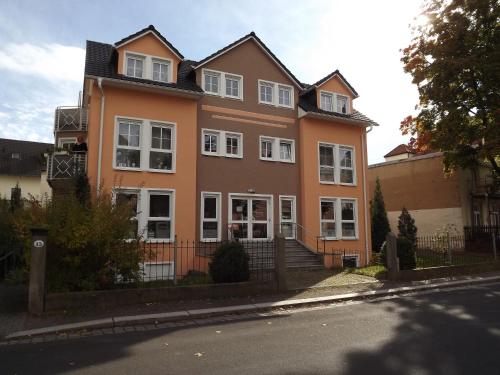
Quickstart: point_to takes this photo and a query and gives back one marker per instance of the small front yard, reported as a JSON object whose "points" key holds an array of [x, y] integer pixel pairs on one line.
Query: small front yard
{"points": [[326, 278]]}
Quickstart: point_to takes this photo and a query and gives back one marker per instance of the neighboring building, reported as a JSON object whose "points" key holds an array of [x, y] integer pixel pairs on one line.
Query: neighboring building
{"points": [[418, 182], [22, 163], [399, 153], [233, 145]]}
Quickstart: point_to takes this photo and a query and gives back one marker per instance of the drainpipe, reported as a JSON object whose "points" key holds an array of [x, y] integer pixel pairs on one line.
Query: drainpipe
{"points": [[363, 136], [101, 125]]}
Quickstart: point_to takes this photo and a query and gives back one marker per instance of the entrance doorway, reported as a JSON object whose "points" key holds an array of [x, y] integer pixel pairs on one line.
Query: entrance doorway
{"points": [[250, 218]]}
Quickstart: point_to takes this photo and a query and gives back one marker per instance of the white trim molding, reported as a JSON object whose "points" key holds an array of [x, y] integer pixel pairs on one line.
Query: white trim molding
{"points": [[217, 219], [335, 97], [275, 149], [223, 78], [275, 91], [219, 142], [147, 65], [337, 167], [338, 220]]}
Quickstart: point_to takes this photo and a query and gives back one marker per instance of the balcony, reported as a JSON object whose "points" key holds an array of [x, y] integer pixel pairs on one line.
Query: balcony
{"points": [[70, 119], [66, 165]]}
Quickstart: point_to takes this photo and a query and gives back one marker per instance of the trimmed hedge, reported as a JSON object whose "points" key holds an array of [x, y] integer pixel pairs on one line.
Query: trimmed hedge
{"points": [[230, 264]]}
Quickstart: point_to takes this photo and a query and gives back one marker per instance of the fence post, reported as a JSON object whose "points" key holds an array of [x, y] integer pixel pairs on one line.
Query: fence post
{"points": [[448, 246], [280, 262], [392, 256], [494, 242], [175, 259], [36, 295]]}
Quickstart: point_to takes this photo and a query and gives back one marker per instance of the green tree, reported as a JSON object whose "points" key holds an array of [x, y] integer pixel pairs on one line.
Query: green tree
{"points": [[406, 226], [380, 223], [454, 60]]}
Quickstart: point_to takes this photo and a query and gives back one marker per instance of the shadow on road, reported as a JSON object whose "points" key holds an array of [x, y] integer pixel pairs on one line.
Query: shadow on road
{"points": [[438, 337]]}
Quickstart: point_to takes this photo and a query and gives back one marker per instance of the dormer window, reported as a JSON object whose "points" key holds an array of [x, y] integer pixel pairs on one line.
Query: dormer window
{"points": [[342, 103], [333, 102], [326, 101], [161, 70], [135, 66]]}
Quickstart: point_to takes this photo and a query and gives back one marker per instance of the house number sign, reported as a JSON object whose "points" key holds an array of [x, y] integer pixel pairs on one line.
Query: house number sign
{"points": [[38, 243]]}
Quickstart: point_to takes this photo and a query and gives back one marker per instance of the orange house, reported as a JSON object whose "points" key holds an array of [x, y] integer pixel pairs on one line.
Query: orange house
{"points": [[232, 146]]}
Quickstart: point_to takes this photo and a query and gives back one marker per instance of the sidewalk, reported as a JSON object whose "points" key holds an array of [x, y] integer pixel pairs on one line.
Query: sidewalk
{"points": [[156, 313]]}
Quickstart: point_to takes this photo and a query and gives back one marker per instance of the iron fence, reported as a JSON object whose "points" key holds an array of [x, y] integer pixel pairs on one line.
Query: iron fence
{"points": [[10, 259], [67, 165], [434, 251]]}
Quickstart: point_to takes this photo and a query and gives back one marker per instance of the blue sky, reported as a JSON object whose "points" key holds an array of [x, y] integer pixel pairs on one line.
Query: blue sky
{"points": [[42, 50]]}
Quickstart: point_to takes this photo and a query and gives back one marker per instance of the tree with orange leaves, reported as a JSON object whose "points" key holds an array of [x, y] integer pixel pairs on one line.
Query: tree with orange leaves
{"points": [[454, 59]]}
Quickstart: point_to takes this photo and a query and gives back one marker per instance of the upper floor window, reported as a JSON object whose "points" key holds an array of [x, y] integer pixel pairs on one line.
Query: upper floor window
{"points": [[277, 149], [144, 144], [135, 66], [336, 164], [222, 143], [342, 103], [161, 70], [333, 102], [222, 84], [275, 94]]}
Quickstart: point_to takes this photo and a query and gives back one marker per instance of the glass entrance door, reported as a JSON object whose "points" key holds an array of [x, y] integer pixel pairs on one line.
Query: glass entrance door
{"points": [[287, 216], [250, 218]]}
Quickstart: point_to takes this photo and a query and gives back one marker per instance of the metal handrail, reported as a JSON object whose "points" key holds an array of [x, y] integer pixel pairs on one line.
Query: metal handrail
{"points": [[307, 233], [72, 121]]}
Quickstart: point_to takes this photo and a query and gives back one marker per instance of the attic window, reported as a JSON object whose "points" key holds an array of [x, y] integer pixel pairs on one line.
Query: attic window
{"points": [[342, 103], [161, 70], [135, 66], [326, 101], [16, 155]]}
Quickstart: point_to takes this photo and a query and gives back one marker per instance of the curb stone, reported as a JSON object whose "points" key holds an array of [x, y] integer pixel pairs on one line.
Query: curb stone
{"points": [[120, 323]]}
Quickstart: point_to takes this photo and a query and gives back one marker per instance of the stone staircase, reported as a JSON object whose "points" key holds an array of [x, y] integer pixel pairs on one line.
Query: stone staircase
{"points": [[299, 258]]}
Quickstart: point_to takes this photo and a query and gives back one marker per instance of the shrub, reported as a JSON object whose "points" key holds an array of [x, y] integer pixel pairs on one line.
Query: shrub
{"points": [[405, 251], [380, 223], [406, 226], [230, 264]]}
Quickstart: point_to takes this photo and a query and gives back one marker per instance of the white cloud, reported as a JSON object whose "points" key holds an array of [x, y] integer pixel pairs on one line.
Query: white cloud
{"points": [[54, 62]]}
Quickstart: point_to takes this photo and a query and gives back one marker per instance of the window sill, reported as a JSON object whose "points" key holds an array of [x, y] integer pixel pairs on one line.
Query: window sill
{"points": [[158, 240], [129, 169], [329, 239], [276, 105], [233, 156], [347, 184], [210, 240], [160, 171], [327, 182], [210, 154]]}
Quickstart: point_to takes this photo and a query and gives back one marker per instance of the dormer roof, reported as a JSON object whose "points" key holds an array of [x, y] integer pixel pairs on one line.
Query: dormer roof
{"points": [[333, 74], [149, 30]]}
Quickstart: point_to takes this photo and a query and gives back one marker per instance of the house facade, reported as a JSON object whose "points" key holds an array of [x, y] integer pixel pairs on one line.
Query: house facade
{"points": [[22, 164], [231, 146], [435, 200]]}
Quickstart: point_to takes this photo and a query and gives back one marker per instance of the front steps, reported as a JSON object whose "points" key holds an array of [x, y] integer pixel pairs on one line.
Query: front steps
{"points": [[299, 258]]}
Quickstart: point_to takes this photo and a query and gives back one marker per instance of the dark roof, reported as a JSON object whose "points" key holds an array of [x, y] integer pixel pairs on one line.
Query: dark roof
{"points": [[401, 149], [261, 43], [30, 161], [101, 61], [326, 78], [308, 102], [152, 29]]}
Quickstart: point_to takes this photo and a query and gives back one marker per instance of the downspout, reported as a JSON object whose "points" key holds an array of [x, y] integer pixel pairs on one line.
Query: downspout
{"points": [[363, 151], [101, 125]]}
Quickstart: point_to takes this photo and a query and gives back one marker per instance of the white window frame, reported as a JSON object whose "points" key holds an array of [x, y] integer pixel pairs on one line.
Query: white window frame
{"points": [[338, 218], [136, 191], [146, 194], [333, 200], [222, 83], [66, 140], [293, 220], [168, 63], [135, 56], [354, 221], [137, 148], [249, 220], [337, 102], [275, 94], [147, 65], [145, 143], [353, 167], [276, 151], [218, 219], [222, 136], [335, 98], [336, 164], [151, 149]]}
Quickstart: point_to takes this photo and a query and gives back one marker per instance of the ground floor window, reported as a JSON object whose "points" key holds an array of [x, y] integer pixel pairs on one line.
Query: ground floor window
{"points": [[345, 209], [210, 216], [159, 223], [130, 198]]}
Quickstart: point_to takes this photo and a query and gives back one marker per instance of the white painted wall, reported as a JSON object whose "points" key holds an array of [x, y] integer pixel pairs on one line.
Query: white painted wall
{"points": [[36, 186]]}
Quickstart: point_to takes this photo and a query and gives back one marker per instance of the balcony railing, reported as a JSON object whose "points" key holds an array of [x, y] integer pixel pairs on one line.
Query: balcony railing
{"points": [[70, 119], [61, 166]]}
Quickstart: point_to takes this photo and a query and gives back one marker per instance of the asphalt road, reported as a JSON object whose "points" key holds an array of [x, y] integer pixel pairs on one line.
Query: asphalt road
{"points": [[447, 332]]}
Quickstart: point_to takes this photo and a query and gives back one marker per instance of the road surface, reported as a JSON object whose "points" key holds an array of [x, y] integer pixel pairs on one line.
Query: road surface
{"points": [[446, 332]]}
